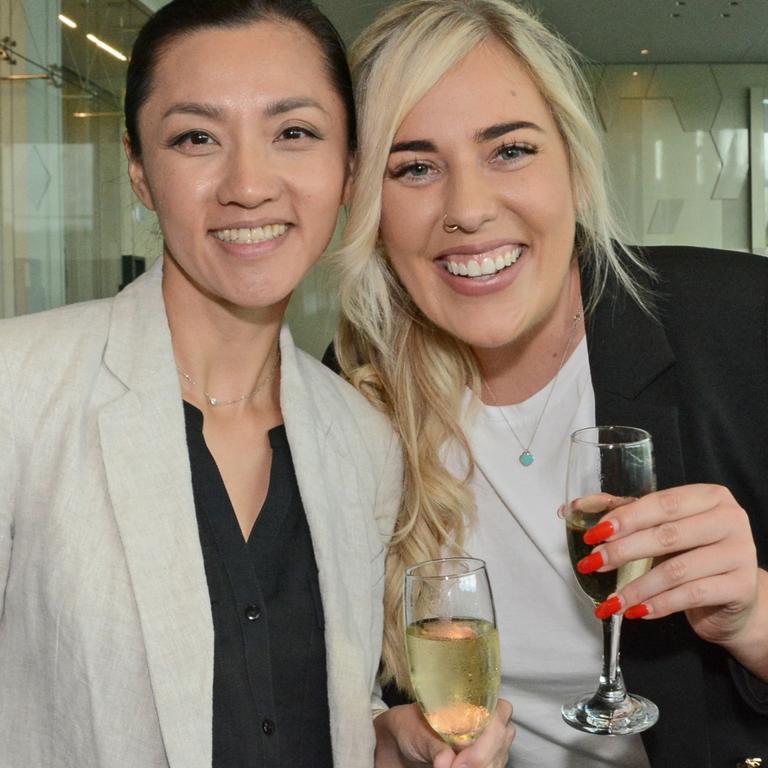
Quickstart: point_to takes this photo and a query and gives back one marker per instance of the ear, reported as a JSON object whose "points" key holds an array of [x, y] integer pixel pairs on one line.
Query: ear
{"points": [[347, 191], [136, 175]]}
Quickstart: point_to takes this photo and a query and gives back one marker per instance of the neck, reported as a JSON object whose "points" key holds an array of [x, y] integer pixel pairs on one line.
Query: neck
{"points": [[226, 351], [515, 372]]}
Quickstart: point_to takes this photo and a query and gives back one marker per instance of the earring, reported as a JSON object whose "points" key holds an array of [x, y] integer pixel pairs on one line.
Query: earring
{"points": [[449, 228]]}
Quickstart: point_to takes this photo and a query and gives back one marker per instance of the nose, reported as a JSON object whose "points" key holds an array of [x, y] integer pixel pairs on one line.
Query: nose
{"points": [[250, 177], [470, 200]]}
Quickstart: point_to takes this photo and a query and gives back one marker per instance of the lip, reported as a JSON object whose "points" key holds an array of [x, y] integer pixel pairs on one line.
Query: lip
{"points": [[472, 249]]}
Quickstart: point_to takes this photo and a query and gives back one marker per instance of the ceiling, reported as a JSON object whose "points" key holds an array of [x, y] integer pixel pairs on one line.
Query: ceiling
{"points": [[91, 73], [615, 31]]}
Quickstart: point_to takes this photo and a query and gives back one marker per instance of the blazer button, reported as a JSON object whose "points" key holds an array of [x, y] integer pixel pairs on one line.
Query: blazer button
{"points": [[268, 727], [750, 762], [252, 612]]}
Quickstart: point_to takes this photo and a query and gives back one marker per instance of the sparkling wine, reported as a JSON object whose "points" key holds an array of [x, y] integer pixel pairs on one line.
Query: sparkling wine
{"points": [[598, 586], [454, 666]]}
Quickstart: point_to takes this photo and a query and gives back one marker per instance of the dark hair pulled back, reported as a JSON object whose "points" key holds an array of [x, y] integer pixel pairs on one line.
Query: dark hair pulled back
{"points": [[183, 17]]}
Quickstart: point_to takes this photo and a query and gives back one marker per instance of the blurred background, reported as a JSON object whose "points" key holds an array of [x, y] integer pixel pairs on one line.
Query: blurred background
{"points": [[681, 87]]}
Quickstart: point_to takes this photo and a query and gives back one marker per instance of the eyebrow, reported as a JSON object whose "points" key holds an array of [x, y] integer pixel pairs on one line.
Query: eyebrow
{"points": [[481, 135], [272, 109], [498, 130], [288, 105], [194, 108]]}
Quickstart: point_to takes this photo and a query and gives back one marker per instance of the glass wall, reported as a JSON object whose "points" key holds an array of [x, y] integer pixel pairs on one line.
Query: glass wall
{"points": [[68, 215]]}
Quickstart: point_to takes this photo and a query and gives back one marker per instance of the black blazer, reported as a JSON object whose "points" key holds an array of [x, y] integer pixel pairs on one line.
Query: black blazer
{"points": [[697, 379]]}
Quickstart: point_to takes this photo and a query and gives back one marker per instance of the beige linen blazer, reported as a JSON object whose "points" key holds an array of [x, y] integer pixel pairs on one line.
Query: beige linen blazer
{"points": [[106, 638]]}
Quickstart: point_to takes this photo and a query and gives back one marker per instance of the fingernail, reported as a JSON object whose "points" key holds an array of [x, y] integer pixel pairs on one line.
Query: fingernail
{"points": [[637, 611], [590, 563], [608, 607], [600, 532]]}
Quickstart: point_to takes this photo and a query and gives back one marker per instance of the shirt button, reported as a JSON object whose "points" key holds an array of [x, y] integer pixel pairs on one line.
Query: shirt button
{"points": [[252, 612], [268, 727]]}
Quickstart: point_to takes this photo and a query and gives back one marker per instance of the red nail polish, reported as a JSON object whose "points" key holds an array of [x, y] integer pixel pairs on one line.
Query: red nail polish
{"points": [[590, 563], [636, 611], [608, 607], [600, 532]]}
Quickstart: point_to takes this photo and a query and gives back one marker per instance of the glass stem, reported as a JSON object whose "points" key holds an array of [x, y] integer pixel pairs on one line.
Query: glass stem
{"points": [[611, 682]]}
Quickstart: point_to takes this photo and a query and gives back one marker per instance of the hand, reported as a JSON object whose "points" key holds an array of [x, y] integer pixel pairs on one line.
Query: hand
{"points": [[405, 740], [707, 563]]}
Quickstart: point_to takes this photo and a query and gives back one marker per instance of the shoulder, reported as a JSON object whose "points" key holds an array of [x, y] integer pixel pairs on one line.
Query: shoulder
{"points": [[707, 287], [65, 333], [707, 270], [338, 395]]}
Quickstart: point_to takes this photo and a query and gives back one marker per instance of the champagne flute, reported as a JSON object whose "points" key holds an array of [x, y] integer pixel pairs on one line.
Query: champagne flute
{"points": [[607, 467], [453, 645]]}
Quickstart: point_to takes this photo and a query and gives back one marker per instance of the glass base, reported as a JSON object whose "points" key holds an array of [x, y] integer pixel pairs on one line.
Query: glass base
{"points": [[595, 714]]}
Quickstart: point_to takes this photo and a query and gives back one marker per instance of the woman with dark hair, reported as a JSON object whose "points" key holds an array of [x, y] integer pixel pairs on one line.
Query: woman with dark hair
{"points": [[194, 513]]}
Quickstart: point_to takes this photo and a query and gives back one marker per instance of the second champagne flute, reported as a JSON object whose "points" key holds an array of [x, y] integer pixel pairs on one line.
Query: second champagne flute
{"points": [[607, 467], [452, 645]]}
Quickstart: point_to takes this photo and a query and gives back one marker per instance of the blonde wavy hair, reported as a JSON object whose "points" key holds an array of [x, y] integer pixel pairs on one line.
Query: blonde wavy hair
{"points": [[385, 345]]}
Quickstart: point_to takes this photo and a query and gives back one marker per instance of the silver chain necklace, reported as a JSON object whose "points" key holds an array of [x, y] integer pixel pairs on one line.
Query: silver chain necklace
{"points": [[216, 402], [526, 458]]}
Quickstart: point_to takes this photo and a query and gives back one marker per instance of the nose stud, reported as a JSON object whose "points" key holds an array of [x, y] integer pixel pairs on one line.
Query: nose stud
{"points": [[449, 228]]}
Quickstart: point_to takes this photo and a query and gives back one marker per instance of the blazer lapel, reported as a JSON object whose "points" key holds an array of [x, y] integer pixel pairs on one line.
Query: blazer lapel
{"points": [[322, 460], [147, 468], [632, 367], [628, 355]]}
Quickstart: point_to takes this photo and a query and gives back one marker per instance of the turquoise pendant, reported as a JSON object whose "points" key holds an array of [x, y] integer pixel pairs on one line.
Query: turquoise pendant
{"points": [[526, 458]]}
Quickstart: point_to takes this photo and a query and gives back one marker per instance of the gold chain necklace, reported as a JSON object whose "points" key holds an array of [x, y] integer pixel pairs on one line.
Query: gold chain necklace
{"points": [[217, 402], [526, 458]]}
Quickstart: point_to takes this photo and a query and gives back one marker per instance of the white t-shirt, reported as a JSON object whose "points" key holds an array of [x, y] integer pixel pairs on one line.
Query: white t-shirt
{"points": [[550, 640]]}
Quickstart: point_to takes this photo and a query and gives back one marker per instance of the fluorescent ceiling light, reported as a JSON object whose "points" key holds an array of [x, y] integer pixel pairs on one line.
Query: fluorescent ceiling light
{"points": [[66, 20], [104, 47], [97, 114], [26, 77]]}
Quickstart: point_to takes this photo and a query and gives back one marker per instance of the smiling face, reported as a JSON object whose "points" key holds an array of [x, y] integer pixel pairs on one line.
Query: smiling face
{"points": [[244, 158], [482, 148]]}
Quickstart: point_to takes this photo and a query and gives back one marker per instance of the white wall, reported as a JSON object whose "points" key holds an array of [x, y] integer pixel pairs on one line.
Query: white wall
{"points": [[677, 140]]}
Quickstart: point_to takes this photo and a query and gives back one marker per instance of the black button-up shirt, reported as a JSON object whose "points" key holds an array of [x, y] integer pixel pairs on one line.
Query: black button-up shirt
{"points": [[270, 701]]}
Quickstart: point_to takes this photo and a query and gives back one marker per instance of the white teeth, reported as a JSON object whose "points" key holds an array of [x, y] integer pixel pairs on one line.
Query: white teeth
{"points": [[251, 235], [488, 265]]}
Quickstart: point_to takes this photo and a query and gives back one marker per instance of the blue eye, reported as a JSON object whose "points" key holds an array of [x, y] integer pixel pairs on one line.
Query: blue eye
{"points": [[412, 171], [419, 169], [514, 151]]}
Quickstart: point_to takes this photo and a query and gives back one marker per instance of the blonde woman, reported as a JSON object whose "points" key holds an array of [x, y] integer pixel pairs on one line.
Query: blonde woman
{"points": [[490, 311]]}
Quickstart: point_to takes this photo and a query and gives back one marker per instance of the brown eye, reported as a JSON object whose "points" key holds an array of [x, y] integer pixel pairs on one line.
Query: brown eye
{"points": [[193, 138], [295, 133], [199, 138]]}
